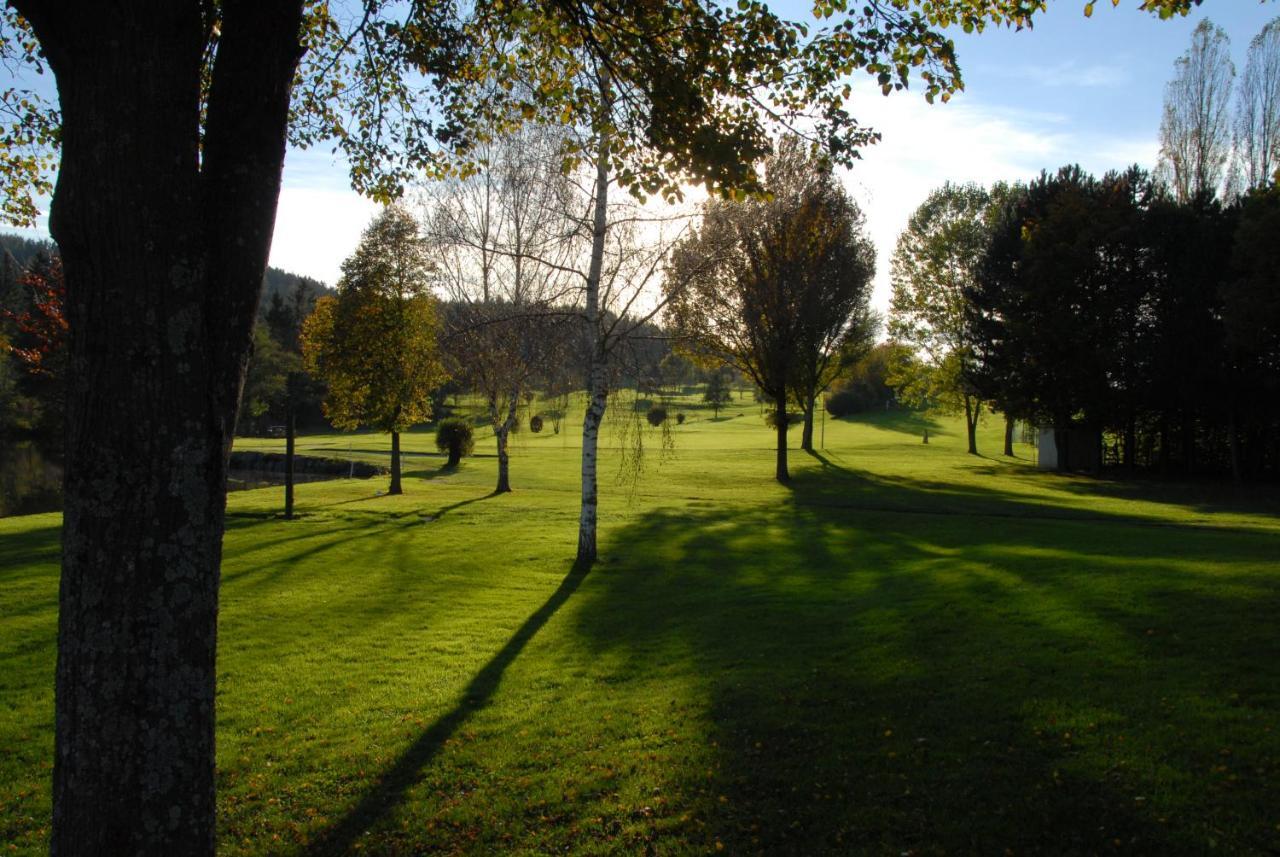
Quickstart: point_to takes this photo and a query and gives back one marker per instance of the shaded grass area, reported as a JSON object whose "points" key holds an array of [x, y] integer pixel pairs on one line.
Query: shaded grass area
{"points": [[908, 650]]}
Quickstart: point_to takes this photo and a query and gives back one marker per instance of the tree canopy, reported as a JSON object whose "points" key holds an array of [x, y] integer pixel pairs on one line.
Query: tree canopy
{"points": [[397, 87], [375, 342]]}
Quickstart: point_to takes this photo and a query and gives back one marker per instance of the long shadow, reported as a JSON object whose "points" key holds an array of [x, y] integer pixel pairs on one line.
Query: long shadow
{"points": [[1207, 494], [835, 486], [389, 789], [21, 548], [887, 683], [380, 526], [905, 422]]}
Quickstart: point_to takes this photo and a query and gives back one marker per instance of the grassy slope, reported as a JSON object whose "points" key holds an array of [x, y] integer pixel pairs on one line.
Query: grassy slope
{"points": [[908, 649]]}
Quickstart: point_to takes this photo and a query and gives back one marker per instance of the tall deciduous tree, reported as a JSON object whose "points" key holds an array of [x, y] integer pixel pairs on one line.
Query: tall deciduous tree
{"points": [[1060, 312], [1258, 108], [375, 343], [1195, 130], [771, 285], [935, 262], [837, 325], [1251, 321]]}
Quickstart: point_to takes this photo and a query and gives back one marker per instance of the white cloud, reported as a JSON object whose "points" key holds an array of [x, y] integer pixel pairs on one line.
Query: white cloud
{"points": [[1070, 73], [316, 228], [925, 145]]}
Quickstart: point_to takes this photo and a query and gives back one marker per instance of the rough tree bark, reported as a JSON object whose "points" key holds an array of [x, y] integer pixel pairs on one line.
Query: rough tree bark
{"points": [[164, 247], [1008, 434], [597, 378]]}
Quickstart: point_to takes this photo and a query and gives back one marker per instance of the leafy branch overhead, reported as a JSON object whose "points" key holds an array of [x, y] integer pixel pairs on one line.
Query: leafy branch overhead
{"points": [[400, 89]]}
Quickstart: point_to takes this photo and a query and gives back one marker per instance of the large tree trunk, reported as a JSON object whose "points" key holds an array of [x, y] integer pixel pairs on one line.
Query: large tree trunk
{"points": [[780, 471], [971, 411], [1009, 422], [597, 378], [806, 437], [395, 464], [164, 247]]}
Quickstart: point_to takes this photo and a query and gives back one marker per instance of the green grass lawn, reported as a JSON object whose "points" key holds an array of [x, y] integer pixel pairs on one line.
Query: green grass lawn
{"points": [[908, 650]]}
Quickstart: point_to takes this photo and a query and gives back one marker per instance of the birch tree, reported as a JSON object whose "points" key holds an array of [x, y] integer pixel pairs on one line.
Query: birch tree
{"points": [[502, 238], [622, 267]]}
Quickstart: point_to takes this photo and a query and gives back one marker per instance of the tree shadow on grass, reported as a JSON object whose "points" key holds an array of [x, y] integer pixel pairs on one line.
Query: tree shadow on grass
{"points": [[1203, 493], [20, 549], [880, 682], [390, 787], [26, 560], [836, 486], [379, 525], [905, 422]]}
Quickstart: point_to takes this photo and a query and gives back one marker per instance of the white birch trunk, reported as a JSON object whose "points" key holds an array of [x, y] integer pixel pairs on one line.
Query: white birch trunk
{"points": [[597, 381]]}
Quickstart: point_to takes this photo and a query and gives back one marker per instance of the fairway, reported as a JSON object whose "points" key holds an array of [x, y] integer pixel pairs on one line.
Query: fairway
{"points": [[907, 650]]}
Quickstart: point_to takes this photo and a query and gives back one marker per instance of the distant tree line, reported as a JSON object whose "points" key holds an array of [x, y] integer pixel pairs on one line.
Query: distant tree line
{"points": [[33, 347]]}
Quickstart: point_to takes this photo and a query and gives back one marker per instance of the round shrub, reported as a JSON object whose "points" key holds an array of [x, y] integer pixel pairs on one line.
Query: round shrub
{"points": [[535, 423], [657, 416], [680, 418], [842, 404], [455, 437]]}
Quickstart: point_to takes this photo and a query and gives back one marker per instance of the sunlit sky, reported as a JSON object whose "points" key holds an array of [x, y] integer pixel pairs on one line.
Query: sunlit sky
{"points": [[1087, 91]]}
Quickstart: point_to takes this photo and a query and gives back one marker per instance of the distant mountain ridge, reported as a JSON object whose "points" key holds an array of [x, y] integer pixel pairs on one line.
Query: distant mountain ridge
{"points": [[274, 282]]}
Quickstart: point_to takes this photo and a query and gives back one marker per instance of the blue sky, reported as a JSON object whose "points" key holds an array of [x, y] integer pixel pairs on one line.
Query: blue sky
{"points": [[1070, 90]]}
